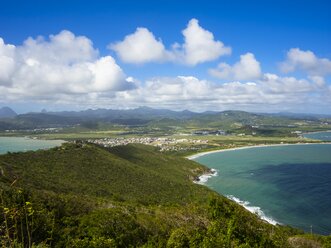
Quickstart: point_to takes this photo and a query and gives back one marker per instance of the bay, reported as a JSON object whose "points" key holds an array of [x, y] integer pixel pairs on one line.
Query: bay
{"points": [[288, 184], [21, 144], [325, 136]]}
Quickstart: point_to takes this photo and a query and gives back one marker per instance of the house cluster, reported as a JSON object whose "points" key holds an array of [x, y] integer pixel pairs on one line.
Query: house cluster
{"points": [[36, 130], [296, 132], [209, 132], [165, 144]]}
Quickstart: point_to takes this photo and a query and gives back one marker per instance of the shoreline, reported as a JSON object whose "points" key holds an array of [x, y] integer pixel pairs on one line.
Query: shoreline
{"points": [[254, 210], [29, 137], [202, 179], [200, 154], [327, 131]]}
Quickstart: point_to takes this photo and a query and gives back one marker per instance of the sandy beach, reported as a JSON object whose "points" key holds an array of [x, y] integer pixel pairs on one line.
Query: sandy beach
{"points": [[194, 156], [327, 131]]}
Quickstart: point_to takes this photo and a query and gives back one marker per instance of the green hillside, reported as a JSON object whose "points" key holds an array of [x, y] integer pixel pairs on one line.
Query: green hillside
{"points": [[134, 173], [81, 195]]}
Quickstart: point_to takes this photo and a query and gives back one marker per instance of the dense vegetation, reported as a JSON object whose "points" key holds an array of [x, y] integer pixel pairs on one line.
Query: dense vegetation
{"points": [[81, 195]]}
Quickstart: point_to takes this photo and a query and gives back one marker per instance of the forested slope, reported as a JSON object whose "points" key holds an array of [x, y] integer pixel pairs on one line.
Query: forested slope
{"points": [[81, 195]]}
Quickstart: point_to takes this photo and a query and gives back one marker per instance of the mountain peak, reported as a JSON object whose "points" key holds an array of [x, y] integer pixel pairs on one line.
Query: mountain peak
{"points": [[6, 112]]}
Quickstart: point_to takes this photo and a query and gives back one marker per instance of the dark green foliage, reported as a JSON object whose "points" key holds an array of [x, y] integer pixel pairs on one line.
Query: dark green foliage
{"points": [[23, 221], [327, 241], [114, 225], [90, 124], [81, 195], [86, 170], [178, 238]]}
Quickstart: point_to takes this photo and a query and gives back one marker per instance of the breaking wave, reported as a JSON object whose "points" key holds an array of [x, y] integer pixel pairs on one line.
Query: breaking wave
{"points": [[253, 209], [204, 178]]}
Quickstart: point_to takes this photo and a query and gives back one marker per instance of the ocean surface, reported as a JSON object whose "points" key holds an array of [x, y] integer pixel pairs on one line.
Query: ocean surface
{"points": [[289, 184], [21, 144], [326, 136]]}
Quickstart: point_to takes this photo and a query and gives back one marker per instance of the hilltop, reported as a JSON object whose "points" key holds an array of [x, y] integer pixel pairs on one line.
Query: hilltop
{"points": [[6, 112], [82, 195], [134, 173]]}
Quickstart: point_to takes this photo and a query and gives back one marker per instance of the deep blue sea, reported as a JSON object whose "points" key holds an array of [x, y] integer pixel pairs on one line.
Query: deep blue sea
{"points": [[289, 184], [21, 144]]}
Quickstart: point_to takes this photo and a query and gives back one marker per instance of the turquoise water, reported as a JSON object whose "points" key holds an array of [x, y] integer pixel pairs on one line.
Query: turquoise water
{"points": [[18, 144], [326, 136], [285, 184]]}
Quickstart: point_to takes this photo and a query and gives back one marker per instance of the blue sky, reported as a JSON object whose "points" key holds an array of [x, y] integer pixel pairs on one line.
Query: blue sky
{"points": [[285, 47]]}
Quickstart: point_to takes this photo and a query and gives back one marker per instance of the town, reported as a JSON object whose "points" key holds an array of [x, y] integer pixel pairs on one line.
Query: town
{"points": [[165, 144]]}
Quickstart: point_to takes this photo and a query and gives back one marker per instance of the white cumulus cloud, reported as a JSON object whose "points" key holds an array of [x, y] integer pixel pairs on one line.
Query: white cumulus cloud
{"points": [[200, 45], [318, 80], [62, 64], [270, 92], [275, 84], [66, 69], [305, 61], [142, 47], [247, 68], [7, 61]]}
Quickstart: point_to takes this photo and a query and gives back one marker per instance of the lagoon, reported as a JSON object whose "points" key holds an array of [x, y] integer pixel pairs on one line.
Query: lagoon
{"points": [[288, 184], [325, 136], [21, 144]]}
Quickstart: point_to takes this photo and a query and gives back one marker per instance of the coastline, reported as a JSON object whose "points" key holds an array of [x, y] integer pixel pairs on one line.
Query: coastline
{"points": [[254, 209], [29, 137], [327, 131], [200, 154], [213, 172], [202, 179]]}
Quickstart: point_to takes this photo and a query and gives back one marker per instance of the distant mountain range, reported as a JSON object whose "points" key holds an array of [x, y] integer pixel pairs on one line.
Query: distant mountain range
{"points": [[138, 113], [145, 116]]}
